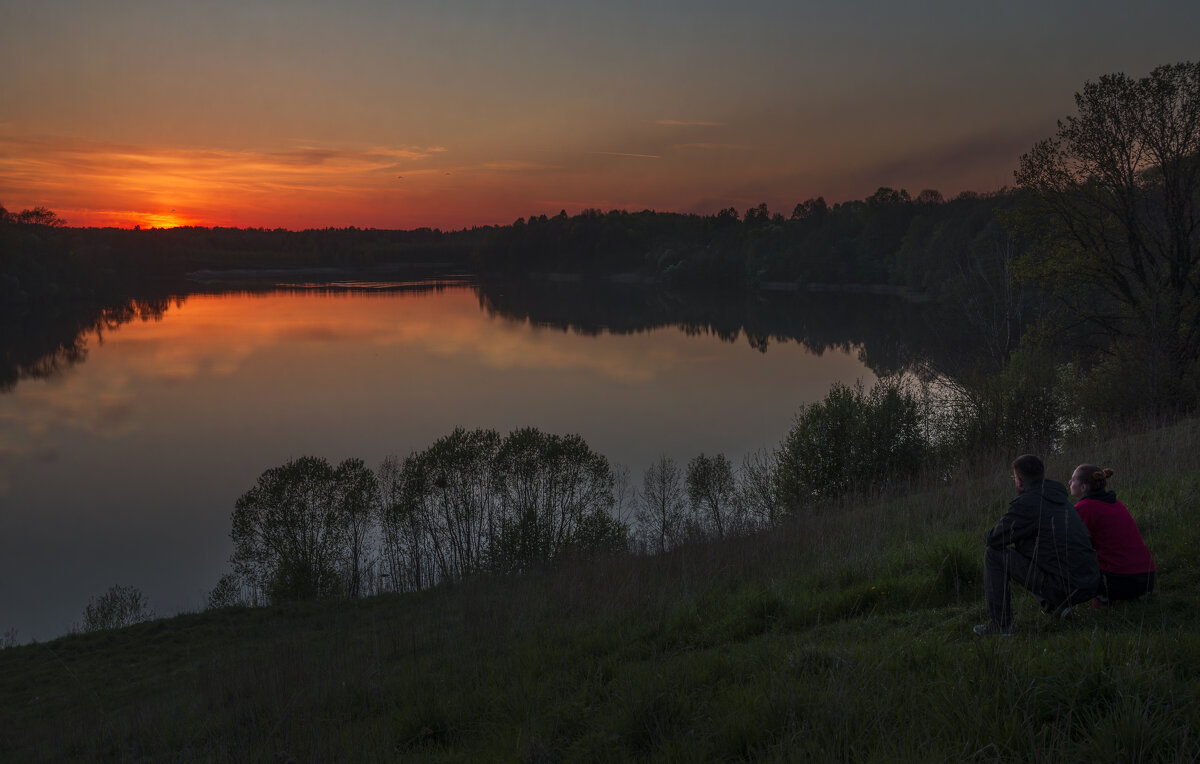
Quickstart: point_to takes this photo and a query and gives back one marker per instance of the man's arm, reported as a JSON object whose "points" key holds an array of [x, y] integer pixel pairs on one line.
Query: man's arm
{"points": [[1016, 524]]}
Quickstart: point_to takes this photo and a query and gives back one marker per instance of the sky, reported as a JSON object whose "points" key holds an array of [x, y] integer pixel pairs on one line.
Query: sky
{"points": [[397, 114]]}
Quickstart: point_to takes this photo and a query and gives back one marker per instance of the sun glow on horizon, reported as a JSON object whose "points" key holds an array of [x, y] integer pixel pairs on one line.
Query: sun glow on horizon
{"points": [[130, 219]]}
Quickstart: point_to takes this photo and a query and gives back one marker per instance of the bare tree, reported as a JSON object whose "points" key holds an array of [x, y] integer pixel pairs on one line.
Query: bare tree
{"points": [[756, 489], [660, 515]]}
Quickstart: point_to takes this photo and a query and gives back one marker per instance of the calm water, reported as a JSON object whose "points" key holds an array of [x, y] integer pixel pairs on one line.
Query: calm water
{"points": [[124, 468]]}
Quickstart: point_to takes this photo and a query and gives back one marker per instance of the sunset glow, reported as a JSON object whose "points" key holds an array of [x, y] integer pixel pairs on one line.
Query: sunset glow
{"points": [[389, 116]]}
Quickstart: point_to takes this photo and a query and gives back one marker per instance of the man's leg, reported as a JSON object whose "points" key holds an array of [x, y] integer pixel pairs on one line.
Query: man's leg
{"points": [[999, 566]]}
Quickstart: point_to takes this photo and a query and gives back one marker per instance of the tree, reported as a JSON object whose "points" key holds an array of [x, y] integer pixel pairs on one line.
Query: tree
{"points": [[290, 533], [1116, 209], [228, 592], [473, 502], [358, 500], [756, 492], [712, 492], [661, 512], [406, 534], [118, 607], [851, 441], [446, 505], [551, 488], [38, 216]]}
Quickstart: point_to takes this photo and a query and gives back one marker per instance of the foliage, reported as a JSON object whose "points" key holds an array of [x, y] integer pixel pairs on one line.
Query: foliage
{"points": [[118, 607], [1029, 406], [1116, 211], [473, 502], [555, 493], [228, 592], [292, 531], [712, 492], [852, 441]]}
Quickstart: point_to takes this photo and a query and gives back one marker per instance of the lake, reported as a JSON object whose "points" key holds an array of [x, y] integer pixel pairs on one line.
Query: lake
{"points": [[123, 466]]}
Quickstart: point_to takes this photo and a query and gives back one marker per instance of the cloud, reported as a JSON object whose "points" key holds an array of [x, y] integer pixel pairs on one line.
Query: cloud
{"points": [[713, 146], [149, 178], [625, 154]]}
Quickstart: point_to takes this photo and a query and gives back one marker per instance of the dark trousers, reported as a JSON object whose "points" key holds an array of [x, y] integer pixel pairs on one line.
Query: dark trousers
{"points": [[1115, 586], [1000, 566]]}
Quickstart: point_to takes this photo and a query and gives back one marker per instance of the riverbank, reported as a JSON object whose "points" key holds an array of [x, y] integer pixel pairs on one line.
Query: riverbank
{"points": [[845, 635]]}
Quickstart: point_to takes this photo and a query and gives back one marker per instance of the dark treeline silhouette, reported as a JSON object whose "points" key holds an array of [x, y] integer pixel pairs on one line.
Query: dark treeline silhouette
{"points": [[888, 238], [924, 243]]}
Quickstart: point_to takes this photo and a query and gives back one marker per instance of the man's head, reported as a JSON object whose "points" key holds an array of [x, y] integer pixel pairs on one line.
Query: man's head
{"points": [[1028, 471]]}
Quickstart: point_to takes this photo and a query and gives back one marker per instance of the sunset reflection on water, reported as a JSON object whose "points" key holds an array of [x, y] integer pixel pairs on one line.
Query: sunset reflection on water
{"points": [[125, 468]]}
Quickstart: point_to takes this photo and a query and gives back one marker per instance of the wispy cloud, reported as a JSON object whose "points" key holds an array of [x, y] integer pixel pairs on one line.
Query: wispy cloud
{"points": [[150, 180], [713, 146], [626, 154]]}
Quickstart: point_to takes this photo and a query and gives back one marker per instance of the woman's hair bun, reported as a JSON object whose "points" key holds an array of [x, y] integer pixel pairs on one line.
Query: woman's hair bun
{"points": [[1107, 473]]}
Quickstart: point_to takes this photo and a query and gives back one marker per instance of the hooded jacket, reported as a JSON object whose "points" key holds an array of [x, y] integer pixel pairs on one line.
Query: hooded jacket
{"points": [[1119, 545], [1042, 526]]}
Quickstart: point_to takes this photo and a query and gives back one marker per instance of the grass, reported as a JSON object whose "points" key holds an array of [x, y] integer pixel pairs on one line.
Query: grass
{"points": [[844, 635]]}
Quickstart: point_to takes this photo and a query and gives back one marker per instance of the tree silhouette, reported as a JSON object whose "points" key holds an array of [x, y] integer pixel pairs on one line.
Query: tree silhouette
{"points": [[1116, 209]]}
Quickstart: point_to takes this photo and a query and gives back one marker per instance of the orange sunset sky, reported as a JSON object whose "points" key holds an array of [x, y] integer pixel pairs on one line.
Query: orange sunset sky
{"points": [[451, 114]]}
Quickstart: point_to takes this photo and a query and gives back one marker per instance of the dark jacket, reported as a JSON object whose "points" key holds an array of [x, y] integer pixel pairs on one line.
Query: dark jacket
{"points": [[1043, 527]]}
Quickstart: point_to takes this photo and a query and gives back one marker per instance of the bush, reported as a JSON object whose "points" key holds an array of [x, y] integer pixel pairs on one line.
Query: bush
{"points": [[119, 606], [1030, 406], [852, 440]]}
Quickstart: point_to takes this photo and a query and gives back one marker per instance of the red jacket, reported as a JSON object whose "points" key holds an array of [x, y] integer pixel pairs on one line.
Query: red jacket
{"points": [[1115, 535]]}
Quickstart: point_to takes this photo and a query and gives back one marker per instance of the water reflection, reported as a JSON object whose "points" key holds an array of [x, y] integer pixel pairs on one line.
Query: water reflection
{"points": [[46, 343], [124, 469], [888, 332]]}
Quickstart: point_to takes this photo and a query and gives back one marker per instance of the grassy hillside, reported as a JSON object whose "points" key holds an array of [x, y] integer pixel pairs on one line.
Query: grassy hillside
{"points": [[846, 635]]}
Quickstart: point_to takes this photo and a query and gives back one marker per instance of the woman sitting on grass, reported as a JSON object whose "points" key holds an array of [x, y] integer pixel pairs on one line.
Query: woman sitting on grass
{"points": [[1126, 567]]}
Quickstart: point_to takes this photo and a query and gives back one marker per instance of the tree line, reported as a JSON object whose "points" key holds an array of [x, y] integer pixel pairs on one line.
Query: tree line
{"points": [[477, 503]]}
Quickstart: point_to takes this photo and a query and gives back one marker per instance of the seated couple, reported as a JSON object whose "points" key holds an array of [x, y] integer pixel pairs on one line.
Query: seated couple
{"points": [[1064, 556]]}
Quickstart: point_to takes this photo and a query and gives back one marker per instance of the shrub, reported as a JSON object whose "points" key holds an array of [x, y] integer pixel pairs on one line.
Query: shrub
{"points": [[852, 440], [119, 606]]}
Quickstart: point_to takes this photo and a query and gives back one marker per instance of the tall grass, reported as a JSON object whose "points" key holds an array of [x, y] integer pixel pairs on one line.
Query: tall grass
{"points": [[844, 634]]}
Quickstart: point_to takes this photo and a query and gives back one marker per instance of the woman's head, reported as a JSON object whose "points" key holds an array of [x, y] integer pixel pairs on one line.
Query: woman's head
{"points": [[1088, 478]]}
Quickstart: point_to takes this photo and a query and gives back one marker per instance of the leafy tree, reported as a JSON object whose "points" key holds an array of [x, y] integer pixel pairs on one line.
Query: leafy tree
{"points": [[118, 607], [550, 488], [358, 499], [473, 502], [407, 537], [1116, 208], [450, 486], [38, 216], [290, 533], [851, 441], [712, 492]]}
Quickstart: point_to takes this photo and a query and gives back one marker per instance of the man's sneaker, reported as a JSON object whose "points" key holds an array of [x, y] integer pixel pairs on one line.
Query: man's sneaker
{"points": [[991, 627]]}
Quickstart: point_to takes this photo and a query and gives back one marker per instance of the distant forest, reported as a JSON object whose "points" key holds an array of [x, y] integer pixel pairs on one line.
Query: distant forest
{"points": [[925, 243]]}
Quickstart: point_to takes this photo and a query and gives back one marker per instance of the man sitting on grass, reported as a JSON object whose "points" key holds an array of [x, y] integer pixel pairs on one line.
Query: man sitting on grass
{"points": [[1040, 543]]}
